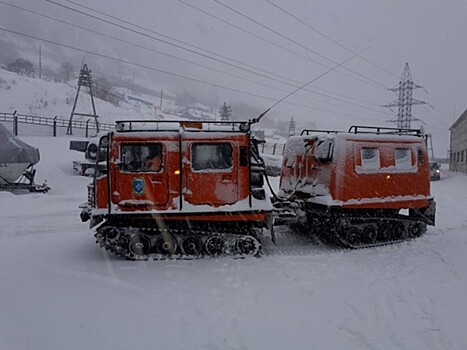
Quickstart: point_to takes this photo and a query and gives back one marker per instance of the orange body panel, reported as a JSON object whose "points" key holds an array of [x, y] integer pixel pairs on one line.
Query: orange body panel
{"points": [[343, 181], [178, 186], [386, 183]]}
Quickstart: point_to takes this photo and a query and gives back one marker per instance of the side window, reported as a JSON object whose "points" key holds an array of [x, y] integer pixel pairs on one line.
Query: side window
{"points": [[403, 158], [370, 159], [142, 157], [211, 156], [323, 150]]}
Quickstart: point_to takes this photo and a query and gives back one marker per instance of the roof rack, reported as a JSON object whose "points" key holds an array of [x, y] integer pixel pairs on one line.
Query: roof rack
{"points": [[359, 129], [308, 131], [173, 125]]}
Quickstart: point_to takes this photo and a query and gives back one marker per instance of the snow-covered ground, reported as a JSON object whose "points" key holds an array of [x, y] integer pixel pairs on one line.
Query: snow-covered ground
{"points": [[59, 290]]}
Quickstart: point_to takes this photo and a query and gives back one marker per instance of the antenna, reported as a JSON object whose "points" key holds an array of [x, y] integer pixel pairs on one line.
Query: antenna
{"points": [[258, 118]]}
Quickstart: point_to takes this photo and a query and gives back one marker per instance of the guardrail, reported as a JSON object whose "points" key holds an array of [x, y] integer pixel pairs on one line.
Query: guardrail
{"points": [[18, 118]]}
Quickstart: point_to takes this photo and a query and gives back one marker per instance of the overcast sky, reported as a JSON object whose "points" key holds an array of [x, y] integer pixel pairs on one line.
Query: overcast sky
{"points": [[429, 35]]}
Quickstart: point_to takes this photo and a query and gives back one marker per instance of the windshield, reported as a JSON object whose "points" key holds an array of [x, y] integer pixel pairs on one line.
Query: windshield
{"points": [[141, 157]]}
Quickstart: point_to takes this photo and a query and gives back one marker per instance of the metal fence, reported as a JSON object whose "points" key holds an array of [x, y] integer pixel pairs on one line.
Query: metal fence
{"points": [[276, 149], [90, 127], [55, 123]]}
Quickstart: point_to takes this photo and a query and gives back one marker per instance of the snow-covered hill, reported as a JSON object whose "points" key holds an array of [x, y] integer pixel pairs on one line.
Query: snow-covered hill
{"points": [[59, 290], [35, 96]]}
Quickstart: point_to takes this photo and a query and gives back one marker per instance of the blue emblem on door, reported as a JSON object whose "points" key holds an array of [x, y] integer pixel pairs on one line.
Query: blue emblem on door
{"points": [[138, 186]]}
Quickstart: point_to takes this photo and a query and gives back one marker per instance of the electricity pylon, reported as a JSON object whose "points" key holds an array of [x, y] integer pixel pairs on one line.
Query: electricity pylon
{"points": [[405, 101], [225, 112], [292, 127]]}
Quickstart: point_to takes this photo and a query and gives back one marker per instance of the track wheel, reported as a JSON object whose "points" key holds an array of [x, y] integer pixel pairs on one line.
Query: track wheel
{"points": [[166, 244], [248, 245], [109, 232], [398, 230], [385, 232], [139, 245], [416, 229], [370, 233], [192, 245], [214, 245], [352, 236]]}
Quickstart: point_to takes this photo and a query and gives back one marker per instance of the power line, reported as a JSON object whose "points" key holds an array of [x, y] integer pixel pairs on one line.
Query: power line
{"points": [[297, 43], [272, 43], [249, 32], [170, 73], [185, 60], [161, 40], [314, 29], [212, 58], [213, 53], [257, 119], [133, 44], [182, 42]]}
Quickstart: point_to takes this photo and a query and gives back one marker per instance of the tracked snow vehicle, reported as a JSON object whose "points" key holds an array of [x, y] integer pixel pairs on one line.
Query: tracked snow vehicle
{"points": [[368, 186], [178, 189]]}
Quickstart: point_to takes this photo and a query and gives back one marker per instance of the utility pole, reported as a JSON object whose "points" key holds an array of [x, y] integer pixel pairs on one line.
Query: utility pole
{"points": [[405, 101], [225, 112], [40, 61], [429, 145], [160, 106], [85, 79]]}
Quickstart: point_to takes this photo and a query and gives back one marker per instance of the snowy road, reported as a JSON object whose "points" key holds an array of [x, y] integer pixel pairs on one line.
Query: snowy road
{"points": [[59, 290]]}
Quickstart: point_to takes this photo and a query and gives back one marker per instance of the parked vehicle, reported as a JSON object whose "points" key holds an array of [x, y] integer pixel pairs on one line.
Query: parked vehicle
{"points": [[435, 171], [86, 166]]}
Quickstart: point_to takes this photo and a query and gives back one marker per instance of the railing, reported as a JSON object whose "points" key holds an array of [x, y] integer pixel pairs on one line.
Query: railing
{"points": [[272, 148], [18, 118]]}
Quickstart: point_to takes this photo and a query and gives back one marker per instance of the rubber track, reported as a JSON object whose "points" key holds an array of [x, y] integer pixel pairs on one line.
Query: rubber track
{"points": [[119, 245]]}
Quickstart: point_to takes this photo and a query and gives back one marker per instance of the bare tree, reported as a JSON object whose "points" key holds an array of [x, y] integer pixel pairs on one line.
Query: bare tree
{"points": [[66, 71], [21, 66]]}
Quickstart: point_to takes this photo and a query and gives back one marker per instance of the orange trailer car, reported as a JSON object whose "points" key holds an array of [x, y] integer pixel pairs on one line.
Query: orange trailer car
{"points": [[363, 187]]}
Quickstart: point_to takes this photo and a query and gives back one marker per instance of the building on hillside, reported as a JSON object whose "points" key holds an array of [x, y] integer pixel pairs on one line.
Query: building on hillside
{"points": [[458, 147]]}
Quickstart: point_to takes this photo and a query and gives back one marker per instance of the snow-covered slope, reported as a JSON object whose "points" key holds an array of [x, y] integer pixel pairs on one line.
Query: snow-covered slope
{"points": [[34, 96], [59, 290]]}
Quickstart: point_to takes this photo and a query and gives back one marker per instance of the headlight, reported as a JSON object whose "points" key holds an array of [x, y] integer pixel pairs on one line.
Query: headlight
{"points": [[437, 170]]}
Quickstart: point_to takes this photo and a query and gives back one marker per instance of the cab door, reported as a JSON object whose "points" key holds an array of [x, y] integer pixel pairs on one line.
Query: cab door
{"points": [[136, 183], [211, 173]]}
